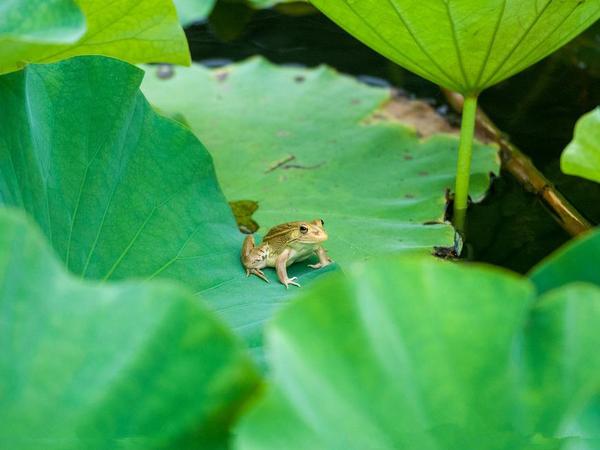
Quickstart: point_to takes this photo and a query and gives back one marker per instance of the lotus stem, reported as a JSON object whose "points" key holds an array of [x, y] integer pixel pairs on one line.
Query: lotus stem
{"points": [[463, 168], [523, 170]]}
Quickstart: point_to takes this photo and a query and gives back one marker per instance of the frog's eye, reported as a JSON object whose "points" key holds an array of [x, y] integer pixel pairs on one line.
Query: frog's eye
{"points": [[303, 229]]}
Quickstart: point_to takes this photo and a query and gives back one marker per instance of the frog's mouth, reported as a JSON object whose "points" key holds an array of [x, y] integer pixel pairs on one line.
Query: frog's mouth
{"points": [[314, 237]]}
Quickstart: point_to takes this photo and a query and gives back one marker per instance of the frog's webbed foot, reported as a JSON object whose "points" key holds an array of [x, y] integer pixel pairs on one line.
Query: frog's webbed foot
{"points": [[289, 281], [259, 273]]}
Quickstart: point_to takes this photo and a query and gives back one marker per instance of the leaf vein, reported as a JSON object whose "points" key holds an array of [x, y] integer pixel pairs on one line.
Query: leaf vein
{"points": [[138, 233], [492, 43], [380, 36], [78, 204], [176, 257], [456, 46], [398, 12], [540, 43], [114, 190], [517, 44]]}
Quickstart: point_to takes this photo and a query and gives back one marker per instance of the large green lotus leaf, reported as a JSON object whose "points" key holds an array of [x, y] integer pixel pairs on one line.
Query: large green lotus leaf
{"points": [[46, 31], [298, 142], [122, 192], [561, 365], [578, 260], [118, 190], [416, 353], [129, 365], [190, 11], [582, 156], [464, 45]]}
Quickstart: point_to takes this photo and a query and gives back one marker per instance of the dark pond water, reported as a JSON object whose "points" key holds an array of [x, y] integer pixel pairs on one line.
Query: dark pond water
{"points": [[537, 109]]}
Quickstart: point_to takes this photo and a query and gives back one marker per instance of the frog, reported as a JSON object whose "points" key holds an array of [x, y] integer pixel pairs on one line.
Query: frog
{"points": [[284, 245]]}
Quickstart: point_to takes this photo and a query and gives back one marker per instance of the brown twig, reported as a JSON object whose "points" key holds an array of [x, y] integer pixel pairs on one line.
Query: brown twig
{"points": [[280, 163], [521, 167]]}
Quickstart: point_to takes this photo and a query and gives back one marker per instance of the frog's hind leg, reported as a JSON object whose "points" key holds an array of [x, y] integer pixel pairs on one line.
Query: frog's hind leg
{"points": [[247, 248], [253, 258]]}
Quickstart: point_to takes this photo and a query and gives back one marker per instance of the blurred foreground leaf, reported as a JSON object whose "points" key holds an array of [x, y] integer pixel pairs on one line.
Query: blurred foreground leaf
{"points": [[582, 156], [36, 31], [137, 365], [417, 353], [578, 261]]}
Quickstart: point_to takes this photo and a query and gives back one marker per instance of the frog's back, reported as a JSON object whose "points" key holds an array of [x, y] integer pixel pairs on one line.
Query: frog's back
{"points": [[279, 236]]}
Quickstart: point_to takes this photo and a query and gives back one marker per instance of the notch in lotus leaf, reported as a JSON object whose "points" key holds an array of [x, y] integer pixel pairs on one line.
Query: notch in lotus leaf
{"points": [[463, 45]]}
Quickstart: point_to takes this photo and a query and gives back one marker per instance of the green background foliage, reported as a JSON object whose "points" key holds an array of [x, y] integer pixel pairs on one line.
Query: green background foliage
{"points": [[464, 45], [270, 3], [582, 156], [47, 31], [190, 11], [194, 11], [58, 21], [88, 365]]}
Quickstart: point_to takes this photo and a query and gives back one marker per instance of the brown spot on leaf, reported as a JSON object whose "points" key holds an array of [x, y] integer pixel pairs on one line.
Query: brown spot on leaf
{"points": [[242, 211], [299, 78], [222, 75], [423, 173], [407, 157], [415, 113]]}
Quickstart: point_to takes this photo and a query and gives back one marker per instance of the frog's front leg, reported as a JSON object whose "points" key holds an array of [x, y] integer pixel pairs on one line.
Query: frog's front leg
{"points": [[254, 258], [324, 260], [281, 266]]}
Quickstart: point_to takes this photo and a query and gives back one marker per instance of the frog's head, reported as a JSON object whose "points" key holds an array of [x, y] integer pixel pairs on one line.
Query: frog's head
{"points": [[310, 232]]}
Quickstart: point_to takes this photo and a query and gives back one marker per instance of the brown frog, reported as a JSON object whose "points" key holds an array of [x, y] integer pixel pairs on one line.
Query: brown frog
{"points": [[282, 246]]}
